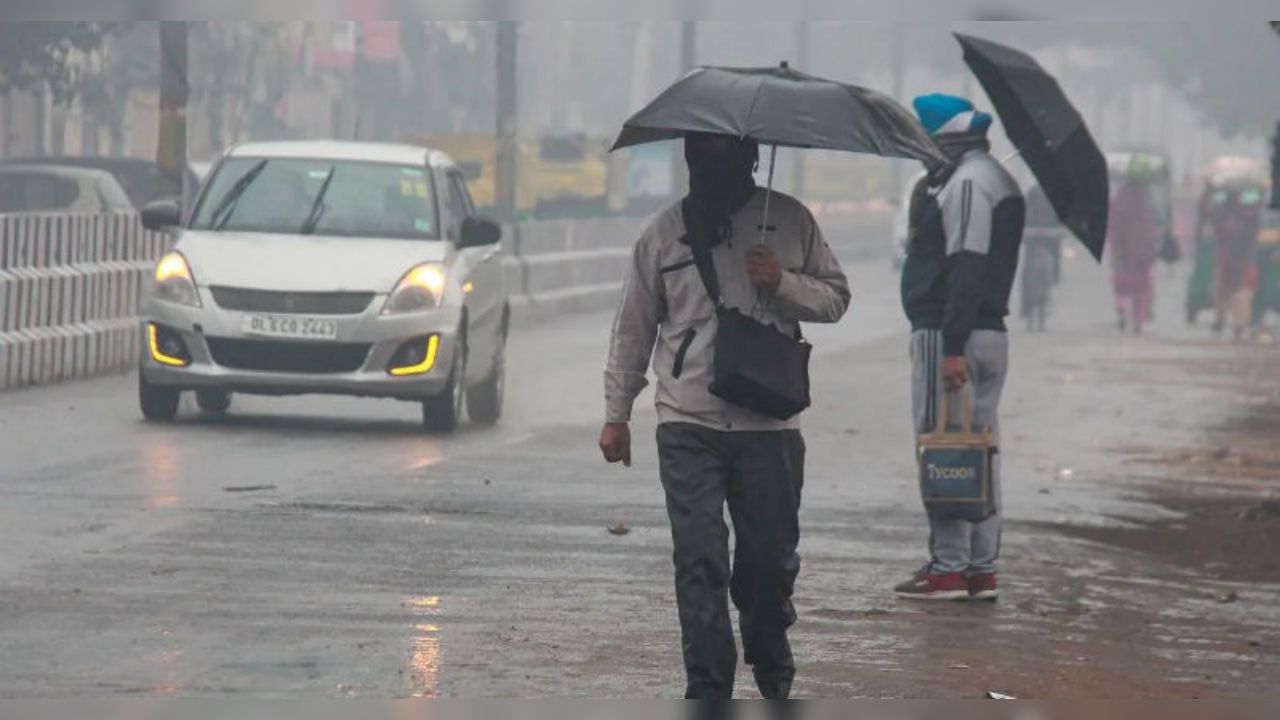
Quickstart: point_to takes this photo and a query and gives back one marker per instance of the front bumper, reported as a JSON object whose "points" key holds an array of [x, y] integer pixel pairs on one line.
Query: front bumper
{"points": [[384, 335]]}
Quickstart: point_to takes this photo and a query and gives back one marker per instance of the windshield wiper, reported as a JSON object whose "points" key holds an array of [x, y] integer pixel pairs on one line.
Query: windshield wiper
{"points": [[223, 212], [317, 205]]}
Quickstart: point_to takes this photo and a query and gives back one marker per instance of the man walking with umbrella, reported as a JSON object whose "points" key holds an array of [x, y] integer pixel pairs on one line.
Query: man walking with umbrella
{"points": [[966, 231], [711, 452], [715, 294]]}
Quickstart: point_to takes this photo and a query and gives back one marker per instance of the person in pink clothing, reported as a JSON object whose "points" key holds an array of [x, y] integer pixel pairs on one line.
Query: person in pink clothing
{"points": [[1133, 241]]}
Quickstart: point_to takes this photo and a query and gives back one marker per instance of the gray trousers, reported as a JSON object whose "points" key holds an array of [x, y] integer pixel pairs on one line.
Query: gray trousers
{"points": [[759, 476], [958, 545]]}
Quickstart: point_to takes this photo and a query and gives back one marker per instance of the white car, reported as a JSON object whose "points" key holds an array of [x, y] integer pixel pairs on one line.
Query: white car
{"points": [[328, 267]]}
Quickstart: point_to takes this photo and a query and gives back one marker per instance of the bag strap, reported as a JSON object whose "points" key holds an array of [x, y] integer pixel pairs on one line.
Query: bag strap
{"points": [[696, 237], [966, 405]]}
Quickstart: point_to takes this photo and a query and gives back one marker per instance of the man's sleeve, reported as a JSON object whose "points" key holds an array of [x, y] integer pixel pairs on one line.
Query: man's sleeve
{"points": [[967, 214], [635, 329], [819, 290]]}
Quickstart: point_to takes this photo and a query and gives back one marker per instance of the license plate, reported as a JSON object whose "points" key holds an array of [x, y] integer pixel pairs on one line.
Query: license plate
{"points": [[290, 326]]}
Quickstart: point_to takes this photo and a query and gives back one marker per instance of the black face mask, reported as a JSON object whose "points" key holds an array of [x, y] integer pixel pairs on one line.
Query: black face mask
{"points": [[723, 176], [720, 183]]}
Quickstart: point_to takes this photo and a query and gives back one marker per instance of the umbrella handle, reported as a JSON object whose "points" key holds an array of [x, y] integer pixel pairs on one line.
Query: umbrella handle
{"points": [[768, 193], [757, 308]]}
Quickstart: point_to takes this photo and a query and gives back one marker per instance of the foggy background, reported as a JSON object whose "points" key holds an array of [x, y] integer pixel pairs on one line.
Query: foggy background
{"points": [[1193, 90]]}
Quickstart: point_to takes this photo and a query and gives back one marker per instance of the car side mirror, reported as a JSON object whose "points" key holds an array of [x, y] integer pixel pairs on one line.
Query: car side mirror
{"points": [[478, 232], [162, 215], [471, 170]]}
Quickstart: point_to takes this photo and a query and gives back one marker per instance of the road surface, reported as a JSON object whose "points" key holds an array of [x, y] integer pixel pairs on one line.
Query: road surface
{"points": [[327, 547]]}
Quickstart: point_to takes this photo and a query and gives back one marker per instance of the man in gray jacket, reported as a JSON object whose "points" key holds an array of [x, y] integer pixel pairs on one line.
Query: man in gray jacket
{"points": [[712, 453]]}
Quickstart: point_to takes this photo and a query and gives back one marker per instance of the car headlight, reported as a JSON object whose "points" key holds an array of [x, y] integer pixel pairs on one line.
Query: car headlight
{"points": [[174, 281], [422, 288]]}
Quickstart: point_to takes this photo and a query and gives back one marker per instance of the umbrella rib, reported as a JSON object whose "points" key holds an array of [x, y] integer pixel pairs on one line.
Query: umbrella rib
{"points": [[751, 110]]}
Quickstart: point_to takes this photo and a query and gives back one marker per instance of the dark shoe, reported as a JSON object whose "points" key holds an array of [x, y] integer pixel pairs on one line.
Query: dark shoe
{"points": [[935, 586], [982, 586]]}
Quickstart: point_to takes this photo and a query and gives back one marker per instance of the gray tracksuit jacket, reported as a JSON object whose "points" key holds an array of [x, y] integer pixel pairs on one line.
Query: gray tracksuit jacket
{"points": [[666, 315], [962, 255]]}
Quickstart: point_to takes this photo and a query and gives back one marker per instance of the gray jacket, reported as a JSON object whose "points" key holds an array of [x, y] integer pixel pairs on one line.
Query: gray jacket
{"points": [[665, 314]]}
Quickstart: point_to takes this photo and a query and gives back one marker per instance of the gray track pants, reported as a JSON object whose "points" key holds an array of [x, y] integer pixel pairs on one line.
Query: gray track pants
{"points": [[759, 476], [957, 545]]}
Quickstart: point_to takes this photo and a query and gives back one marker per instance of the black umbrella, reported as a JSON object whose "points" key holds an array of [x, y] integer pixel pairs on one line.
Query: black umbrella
{"points": [[1049, 134], [780, 106]]}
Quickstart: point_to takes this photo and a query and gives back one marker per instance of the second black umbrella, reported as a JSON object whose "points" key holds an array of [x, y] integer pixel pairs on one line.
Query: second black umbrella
{"points": [[1050, 136]]}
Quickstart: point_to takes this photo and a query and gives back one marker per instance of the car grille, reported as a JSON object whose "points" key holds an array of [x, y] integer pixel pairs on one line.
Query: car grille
{"points": [[289, 357], [305, 303]]}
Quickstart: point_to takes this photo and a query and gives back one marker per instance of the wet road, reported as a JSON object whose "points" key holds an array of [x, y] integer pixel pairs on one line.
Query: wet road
{"points": [[326, 546]]}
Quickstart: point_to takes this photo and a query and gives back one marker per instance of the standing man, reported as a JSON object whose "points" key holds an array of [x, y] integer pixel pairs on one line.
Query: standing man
{"points": [[966, 231], [712, 453]]}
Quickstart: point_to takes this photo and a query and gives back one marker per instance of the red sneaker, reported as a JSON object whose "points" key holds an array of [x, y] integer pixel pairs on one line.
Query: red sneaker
{"points": [[982, 586], [935, 586]]}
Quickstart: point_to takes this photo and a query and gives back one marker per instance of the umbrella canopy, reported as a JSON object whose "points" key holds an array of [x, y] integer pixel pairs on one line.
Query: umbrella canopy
{"points": [[1049, 134], [781, 106]]}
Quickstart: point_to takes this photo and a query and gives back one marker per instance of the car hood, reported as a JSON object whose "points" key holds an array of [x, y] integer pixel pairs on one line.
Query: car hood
{"points": [[304, 263]]}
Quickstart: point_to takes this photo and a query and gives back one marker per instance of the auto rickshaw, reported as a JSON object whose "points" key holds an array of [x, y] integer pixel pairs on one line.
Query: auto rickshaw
{"points": [[1229, 179], [1267, 297]]}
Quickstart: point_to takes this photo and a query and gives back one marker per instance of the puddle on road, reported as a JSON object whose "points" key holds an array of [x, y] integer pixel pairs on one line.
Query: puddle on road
{"points": [[425, 655], [162, 464]]}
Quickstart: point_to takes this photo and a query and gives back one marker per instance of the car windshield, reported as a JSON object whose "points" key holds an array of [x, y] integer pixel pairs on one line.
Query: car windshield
{"points": [[363, 199]]}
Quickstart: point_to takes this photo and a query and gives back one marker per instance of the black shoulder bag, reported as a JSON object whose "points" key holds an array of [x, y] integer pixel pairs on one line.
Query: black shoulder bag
{"points": [[756, 366]]}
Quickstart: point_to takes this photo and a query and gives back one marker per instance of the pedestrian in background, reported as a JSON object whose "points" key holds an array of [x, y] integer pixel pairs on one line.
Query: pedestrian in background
{"points": [[1133, 243], [1042, 259]]}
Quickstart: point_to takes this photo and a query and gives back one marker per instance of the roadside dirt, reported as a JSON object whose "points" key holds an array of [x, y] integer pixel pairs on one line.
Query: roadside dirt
{"points": [[1223, 495]]}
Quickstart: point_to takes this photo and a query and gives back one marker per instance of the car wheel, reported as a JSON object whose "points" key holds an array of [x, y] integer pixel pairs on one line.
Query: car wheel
{"points": [[484, 401], [442, 413], [213, 402], [158, 404]]}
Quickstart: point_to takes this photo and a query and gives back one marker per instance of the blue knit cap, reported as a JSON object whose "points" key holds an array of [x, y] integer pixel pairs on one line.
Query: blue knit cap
{"points": [[947, 114]]}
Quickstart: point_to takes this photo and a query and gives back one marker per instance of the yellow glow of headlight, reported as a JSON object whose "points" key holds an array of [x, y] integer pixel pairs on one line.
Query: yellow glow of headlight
{"points": [[156, 353], [428, 277], [468, 288], [172, 266], [428, 362]]}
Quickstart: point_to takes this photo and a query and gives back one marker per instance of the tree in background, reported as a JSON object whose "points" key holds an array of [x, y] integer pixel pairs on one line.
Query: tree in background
{"points": [[241, 72], [124, 63], [460, 100], [39, 53]]}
